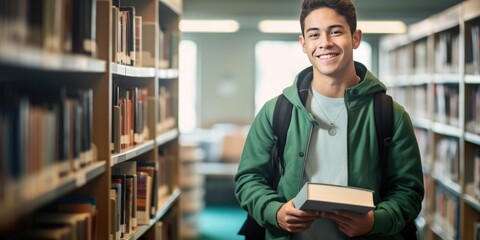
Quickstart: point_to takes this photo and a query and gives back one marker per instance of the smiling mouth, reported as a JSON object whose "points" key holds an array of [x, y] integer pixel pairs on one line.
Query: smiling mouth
{"points": [[327, 56]]}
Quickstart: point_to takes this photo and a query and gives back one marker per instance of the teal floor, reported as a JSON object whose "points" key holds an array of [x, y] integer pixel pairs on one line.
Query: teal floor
{"points": [[221, 222]]}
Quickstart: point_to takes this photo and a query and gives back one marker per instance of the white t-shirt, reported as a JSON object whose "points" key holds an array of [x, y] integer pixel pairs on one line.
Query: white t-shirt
{"points": [[327, 156]]}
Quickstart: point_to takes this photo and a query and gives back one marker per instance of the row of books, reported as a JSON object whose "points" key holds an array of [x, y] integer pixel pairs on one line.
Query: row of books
{"points": [[422, 140], [413, 58], [447, 161], [130, 117], [447, 103], [137, 188], [132, 112], [473, 188], [166, 228], [43, 137], [472, 111], [126, 35], [447, 52], [166, 115], [414, 99], [447, 211], [133, 40], [66, 218], [53, 25], [475, 30]]}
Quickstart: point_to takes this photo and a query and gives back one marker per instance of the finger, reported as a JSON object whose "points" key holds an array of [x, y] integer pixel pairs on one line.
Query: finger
{"points": [[299, 227], [296, 219]]}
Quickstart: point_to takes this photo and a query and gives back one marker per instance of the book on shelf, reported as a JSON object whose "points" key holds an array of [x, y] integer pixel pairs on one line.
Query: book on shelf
{"points": [[54, 232], [114, 224], [476, 174], [144, 197], [129, 170], [447, 211], [84, 27], [329, 198], [138, 41], [119, 183], [476, 48], [166, 173], [153, 170], [115, 40], [476, 230], [117, 190], [127, 14], [81, 223], [447, 161], [149, 46]]}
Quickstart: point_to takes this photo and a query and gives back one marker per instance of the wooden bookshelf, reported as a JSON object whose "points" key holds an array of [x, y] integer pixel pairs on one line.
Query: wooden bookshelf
{"points": [[434, 71], [61, 136]]}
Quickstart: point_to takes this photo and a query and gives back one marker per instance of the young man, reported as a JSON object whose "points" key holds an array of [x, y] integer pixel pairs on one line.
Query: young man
{"points": [[331, 139]]}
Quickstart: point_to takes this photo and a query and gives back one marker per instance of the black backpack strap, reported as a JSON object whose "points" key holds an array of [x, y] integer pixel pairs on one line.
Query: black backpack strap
{"points": [[383, 124], [281, 122], [384, 127]]}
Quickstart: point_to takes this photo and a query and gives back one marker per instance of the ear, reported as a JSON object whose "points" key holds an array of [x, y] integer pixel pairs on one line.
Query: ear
{"points": [[357, 38], [302, 42]]}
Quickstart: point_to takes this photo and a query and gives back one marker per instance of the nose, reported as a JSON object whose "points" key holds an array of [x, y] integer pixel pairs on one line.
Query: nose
{"points": [[325, 41]]}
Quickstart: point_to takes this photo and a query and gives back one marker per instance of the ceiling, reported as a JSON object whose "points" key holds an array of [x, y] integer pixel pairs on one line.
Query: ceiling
{"points": [[250, 12]]}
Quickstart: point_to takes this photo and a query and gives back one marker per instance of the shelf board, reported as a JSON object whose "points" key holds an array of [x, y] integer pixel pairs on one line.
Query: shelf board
{"points": [[66, 184], [174, 5], [34, 58], [141, 72], [446, 78], [439, 231], [471, 10], [472, 79], [447, 183], [167, 136], [420, 122], [446, 129], [473, 138], [166, 205], [132, 152], [170, 73], [471, 201]]}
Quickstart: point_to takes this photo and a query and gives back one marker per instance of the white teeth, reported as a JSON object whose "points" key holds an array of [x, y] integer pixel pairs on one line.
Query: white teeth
{"points": [[326, 56]]}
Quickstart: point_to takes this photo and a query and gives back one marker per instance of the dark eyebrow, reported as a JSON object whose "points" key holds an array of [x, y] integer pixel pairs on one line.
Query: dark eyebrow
{"points": [[329, 27]]}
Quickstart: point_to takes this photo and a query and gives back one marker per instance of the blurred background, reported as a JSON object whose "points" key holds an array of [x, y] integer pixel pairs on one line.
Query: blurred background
{"points": [[228, 72]]}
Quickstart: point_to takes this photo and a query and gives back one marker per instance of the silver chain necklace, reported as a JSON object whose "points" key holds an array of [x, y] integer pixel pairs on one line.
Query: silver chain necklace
{"points": [[332, 129]]}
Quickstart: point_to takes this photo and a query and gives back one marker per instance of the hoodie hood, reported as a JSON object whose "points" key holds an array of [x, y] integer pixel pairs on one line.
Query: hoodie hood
{"points": [[297, 93]]}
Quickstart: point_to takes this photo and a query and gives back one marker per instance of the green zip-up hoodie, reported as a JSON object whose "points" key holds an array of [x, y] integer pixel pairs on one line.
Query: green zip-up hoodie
{"points": [[403, 199]]}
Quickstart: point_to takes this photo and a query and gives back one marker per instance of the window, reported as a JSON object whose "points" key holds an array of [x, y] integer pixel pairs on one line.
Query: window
{"points": [[187, 86], [278, 62]]}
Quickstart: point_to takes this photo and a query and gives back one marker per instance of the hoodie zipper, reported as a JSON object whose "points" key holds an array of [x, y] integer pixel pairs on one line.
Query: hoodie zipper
{"points": [[300, 185]]}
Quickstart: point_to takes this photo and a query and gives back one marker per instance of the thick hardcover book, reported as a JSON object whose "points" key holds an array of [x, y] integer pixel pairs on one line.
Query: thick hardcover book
{"points": [[329, 198]]}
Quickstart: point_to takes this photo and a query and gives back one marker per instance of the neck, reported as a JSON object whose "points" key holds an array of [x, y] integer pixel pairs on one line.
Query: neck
{"points": [[334, 87]]}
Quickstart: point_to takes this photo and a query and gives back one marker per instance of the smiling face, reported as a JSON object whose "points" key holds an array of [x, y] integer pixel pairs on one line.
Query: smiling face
{"points": [[329, 43]]}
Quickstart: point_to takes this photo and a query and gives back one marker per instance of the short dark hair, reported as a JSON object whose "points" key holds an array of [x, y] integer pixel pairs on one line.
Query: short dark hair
{"points": [[342, 7]]}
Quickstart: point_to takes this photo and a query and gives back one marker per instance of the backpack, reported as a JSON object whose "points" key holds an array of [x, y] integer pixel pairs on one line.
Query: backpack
{"points": [[383, 108]]}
